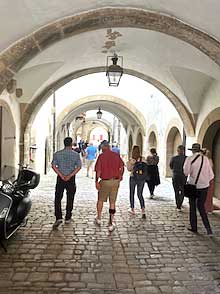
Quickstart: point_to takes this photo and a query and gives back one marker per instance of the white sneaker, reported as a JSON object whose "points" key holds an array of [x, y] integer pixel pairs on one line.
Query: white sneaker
{"points": [[97, 221], [68, 221], [111, 227], [57, 223], [152, 196], [131, 211]]}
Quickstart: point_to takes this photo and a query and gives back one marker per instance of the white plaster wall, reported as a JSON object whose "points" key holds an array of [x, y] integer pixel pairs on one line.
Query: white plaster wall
{"points": [[211, 101], [14, 107], [159, 112], [40, 131]]}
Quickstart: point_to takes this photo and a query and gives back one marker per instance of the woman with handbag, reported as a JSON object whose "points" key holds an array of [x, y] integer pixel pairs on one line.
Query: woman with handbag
{"points": [[200, 173], [134, 181]]}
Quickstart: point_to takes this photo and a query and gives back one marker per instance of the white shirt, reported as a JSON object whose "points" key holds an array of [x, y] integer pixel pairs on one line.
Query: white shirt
{"points": [[192, 170]]}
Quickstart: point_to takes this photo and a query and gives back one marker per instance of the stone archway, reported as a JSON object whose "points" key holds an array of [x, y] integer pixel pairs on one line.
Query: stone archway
{"points": [[121, 108], [30, 110], [174, 139], [208, 137], [125, 111], [7, 141], [19, 53], [130, 145], [211, 141], [216, 160], [90, 126], [152, 140], [140, 142]]}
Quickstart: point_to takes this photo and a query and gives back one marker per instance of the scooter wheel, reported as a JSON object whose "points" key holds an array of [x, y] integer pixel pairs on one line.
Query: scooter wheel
{"points": [[24, 223]]}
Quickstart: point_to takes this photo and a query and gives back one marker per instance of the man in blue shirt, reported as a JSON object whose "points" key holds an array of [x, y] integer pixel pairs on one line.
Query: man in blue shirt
{"points": [[66, 164], [91, 153]]}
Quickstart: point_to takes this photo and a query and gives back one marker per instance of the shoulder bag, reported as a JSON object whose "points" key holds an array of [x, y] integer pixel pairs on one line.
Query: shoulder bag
{"points": [[190, 189]]}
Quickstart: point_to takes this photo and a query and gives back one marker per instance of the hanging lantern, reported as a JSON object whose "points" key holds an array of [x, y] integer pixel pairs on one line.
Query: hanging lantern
{"points": [[99, 113], [114, 71]]}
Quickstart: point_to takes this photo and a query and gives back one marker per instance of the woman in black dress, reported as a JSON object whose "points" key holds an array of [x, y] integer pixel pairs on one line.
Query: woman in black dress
{"points": [[153, 171]]}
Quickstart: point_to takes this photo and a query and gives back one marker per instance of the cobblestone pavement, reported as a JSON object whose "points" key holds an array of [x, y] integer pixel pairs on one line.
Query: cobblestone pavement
{"points": [[156, 255]]}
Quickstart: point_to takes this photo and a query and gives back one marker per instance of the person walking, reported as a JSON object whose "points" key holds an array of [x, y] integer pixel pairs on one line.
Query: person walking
{"points": [[135, 182], [91, 153], [153, 171], [76, 148], [178, 178], [200, 173], [109, 170], [66, 163]]}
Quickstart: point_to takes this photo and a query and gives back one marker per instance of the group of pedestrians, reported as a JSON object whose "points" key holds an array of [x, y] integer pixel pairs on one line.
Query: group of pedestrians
{"points": [[109, 169]]}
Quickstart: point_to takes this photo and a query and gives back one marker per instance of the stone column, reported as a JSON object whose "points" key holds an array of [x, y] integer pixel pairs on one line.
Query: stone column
{"points": [[113, 129], [83, 131], [119, 132]]}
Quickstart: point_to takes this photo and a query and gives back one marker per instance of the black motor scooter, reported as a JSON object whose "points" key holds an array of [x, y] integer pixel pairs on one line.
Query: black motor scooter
{"points": [[15, 202]]}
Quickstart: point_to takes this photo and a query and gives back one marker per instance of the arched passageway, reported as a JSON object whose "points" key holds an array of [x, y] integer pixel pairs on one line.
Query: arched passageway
{"points": [[126, 112], [211, 141], [208, 137], [174, 46], [140, 142], [32, 109], [98, 134], [152, 140], [173, 140]]}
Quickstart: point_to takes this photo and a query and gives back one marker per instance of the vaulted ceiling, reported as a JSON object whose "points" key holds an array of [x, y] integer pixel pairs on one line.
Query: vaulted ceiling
{"points": [[159, 50]]}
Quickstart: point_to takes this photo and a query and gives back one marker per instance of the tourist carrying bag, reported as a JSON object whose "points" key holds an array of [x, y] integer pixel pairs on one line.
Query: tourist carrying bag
{"points": [[190, 189], [140, 171]]}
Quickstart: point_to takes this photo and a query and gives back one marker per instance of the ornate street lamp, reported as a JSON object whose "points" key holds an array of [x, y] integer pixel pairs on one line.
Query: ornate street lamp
{"points": [[114, 71], [99, 113]]}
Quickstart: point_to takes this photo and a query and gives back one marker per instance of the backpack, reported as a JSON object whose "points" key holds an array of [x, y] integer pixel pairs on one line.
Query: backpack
{"points": [[140, 172]]}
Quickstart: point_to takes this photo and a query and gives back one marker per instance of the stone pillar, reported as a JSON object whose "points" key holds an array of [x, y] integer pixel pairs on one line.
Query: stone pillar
{"points": [[68, 129], [83, 131], [184, 137], [113, 129], [119, 133]]}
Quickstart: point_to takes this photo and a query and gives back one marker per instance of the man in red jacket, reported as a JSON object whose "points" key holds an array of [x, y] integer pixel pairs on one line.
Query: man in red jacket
{"points": [[109, 170]]}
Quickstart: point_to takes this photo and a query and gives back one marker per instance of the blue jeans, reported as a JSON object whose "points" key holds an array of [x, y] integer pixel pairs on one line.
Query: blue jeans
{"points": [[140, 187]]}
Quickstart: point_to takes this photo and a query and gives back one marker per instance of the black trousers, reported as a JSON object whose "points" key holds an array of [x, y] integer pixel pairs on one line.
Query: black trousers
{"points": [[199, 202], [178, 186], [151, 187], [70, 188]]}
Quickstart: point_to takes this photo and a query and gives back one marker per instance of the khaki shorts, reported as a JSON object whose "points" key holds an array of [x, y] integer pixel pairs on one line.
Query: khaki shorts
{"points": [[108, 189], [90, 162]]}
